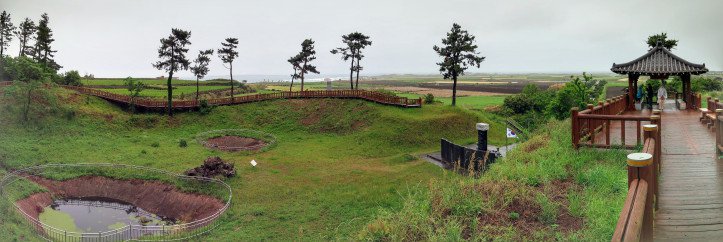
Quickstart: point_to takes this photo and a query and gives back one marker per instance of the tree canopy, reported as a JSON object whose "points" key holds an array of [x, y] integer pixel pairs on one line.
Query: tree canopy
{"points": [[43, 51], [355, 42], [172, 55], [663, 39], [6, 32], [200, 68], [306, 56], [295, 62], [228, 54], [25, 33], [458, 53]]}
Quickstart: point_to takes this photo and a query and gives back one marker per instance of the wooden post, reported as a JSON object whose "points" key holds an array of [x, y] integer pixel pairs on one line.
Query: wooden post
{"points": [[639, 167], [591, 124], [717, 128], [575, 127], [658, 140], [650, 132]]}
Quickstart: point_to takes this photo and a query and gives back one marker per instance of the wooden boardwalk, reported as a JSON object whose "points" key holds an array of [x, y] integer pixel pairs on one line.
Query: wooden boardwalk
{"points": [[690, 202]]}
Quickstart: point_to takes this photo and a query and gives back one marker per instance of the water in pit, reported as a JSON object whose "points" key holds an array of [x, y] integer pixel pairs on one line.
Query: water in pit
{"points": [[93, 215]]}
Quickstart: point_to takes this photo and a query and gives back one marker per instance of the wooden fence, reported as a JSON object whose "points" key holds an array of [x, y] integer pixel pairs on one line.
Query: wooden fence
{"points": [[594, 120], [156, 104], [636, 218]]}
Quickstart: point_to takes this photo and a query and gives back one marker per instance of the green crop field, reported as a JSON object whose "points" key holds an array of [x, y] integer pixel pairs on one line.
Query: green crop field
{"points": [[121, 81], [177, 91]]}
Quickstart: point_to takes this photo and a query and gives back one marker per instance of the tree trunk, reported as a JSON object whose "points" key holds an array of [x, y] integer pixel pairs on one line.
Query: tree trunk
{"points": [[170, 93], [231, 74], [357, 73], [22, 46], [303, 68], [454, 90], [197, 89], [292, 81], [351, 74]]}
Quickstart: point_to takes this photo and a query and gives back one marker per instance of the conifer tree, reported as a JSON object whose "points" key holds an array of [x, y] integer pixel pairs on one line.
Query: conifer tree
{"points": [[6, 32], [200, 68], [228, 54], [43, 51], [458, 52], [25, 33], [172, 55], [306, 56]]}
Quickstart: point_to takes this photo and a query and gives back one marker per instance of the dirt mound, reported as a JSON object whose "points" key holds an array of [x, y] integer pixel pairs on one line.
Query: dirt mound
{"points": [[213, 166], [234, 143], [155, 197]]}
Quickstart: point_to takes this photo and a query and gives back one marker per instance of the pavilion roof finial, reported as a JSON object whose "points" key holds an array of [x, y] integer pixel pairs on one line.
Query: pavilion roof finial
{"points": [[658, 43]]}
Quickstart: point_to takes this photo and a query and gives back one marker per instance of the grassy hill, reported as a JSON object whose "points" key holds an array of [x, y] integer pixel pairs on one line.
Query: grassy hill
{"points": [[336, 164]]}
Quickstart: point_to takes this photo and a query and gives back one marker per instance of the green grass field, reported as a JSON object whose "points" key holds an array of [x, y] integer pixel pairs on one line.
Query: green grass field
{"points": [[186, 90], [341, 168], [336, 164], [121, 82]]}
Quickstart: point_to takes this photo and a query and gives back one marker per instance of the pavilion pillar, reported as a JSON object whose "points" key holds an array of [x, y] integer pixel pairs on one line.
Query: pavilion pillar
{"points": [[632, 79], [687, 92]]}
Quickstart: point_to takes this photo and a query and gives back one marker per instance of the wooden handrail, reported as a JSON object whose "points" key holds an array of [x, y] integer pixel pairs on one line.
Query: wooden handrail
{"points": [[636, 218], [374, 96]]}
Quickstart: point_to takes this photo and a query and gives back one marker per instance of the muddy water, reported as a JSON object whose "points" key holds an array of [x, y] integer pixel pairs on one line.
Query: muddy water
{"points": [[92, 215]]}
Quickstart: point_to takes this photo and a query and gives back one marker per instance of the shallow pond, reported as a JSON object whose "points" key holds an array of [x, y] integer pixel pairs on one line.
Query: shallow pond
{"points": [[92, 215]]}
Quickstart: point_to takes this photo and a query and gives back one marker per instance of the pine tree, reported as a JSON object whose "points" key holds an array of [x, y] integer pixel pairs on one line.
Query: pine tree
{"points": [[355, 43], [25, 33], [200, 68], [173, 58], [295, 62], [458, 52], [306, 56], [663, 39], [6, 32], [43, 51], [228, 54]]}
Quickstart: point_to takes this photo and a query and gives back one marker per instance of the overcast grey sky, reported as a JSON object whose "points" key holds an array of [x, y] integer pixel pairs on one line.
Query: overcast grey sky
{"points": [[119, 38]]}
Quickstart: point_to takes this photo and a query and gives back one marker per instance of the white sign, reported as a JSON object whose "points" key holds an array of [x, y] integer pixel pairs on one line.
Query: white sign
{"points": [[511, 133], [253, 163]]}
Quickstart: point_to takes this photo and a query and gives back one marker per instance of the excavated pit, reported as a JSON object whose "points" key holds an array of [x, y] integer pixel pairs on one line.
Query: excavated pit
{"points": [[234, 143], [154, 197]]}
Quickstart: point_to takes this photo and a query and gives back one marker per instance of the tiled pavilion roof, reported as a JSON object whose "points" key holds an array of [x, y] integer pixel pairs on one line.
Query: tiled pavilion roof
{"points": [[659, 61]]}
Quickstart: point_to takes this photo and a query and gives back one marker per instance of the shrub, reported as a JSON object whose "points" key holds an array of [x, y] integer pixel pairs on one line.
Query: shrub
{"points": [[204, 108], [429, 98], [71, 78], [182, 143]]}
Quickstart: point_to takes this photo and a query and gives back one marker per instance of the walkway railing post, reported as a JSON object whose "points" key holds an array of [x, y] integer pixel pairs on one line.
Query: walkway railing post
{"points": [[639, 167], [651, 131], [718, 113], [575, 127], [655, 119]]}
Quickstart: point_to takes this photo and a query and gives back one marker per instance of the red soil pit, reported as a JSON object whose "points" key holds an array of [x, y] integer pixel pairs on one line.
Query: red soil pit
{"points": [[153, 196], [234, 143]]}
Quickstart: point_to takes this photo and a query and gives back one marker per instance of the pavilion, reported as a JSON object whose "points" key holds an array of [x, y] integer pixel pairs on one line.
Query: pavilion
{"points": [[659, 63]]}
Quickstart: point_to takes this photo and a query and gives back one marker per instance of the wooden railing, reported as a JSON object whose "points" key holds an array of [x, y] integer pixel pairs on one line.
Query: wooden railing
{"points": [[597, 120], [636, 218], [374, 96]]}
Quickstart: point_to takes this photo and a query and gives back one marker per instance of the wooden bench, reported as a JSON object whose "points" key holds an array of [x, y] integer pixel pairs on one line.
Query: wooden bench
{"points": [[703, 112]]}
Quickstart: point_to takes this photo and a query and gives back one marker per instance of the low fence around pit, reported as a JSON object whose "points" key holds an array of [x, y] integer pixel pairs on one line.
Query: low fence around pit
{"points": [[462, 158], [184, 231]]}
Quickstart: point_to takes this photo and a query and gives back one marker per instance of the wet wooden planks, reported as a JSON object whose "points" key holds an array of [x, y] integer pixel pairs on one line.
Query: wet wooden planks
{"points": [[691, 181]]}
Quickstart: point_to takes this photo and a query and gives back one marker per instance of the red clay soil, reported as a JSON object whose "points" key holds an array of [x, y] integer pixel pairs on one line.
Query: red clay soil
{"points": [[153, 196], [235, 143], [529, 211]]}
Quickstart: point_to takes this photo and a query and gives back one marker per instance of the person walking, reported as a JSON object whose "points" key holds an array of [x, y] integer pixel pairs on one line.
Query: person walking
{"points": [[662, 95]]}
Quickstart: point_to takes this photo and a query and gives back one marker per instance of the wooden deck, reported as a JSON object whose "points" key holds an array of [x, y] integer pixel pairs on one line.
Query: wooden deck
{"points": [[690, 203]]}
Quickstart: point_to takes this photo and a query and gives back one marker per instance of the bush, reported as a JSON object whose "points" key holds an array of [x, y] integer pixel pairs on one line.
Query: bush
{"points": [[71, 78], [204, 108], [429, 98], [182, 143], [705, 84]]}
